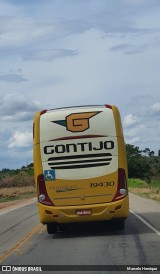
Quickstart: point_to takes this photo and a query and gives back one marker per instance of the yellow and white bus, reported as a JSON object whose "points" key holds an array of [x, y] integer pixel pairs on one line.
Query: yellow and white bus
{"points": [[80, 166]]}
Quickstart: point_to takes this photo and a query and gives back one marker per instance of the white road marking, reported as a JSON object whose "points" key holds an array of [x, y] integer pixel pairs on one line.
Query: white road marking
{"points": [[146, 223]]}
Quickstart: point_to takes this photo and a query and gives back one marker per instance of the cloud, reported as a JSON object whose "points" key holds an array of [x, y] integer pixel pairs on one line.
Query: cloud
{"points": [[48, 55], [15, 107], [133, 141], [16, 31], [144, 3], [132, 136], [115, 50], [137, 135], [12, 78], [156, 108], [24, 29], [130, 133], [139, 100], [135, 2], [15, 146], [130, 49], [129, 120], [20, 140]]}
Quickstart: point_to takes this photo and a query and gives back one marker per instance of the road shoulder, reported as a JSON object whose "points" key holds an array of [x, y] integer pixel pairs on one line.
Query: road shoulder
{"points": [[146, 208], [12, 205]]}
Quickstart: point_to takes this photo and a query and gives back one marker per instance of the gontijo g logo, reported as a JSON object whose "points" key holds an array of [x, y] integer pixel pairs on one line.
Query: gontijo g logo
{"points": [[77, 122]]}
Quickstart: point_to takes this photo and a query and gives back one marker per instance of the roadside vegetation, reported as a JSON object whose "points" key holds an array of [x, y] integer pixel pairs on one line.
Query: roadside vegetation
{"points": [[142, 188], [143, 171], [17, 184]]}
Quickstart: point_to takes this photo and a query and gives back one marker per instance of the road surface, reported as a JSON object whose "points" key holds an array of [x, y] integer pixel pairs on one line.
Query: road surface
{"points": [[24, 241]]}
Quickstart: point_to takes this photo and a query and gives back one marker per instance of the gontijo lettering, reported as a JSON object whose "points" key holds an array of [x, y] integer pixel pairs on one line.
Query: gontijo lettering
{"points": [[84, 146]]}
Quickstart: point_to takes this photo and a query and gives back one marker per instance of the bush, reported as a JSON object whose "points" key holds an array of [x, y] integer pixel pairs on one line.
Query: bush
{"points": [[18, 180], [137, 183]]}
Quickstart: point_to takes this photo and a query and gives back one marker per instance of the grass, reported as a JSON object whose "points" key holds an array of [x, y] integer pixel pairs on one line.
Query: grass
{"points": [[16, 193], [17, 186], [142, 188], [137, 183]]}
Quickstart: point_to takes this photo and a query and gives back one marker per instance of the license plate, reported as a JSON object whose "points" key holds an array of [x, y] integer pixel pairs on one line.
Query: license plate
{"points": [[84, 212]]}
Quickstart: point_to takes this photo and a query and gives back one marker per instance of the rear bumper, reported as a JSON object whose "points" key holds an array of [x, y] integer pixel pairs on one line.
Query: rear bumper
{"points": [[100, 212]]}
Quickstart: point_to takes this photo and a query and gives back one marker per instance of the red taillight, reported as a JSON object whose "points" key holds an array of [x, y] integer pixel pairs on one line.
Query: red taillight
{"points": [[42, 192], [108, 106], [122, 185], [43, 111]]}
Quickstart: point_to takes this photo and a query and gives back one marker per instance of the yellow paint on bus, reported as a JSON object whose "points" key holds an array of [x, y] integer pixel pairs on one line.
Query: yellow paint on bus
{"points": [[80, 166]]}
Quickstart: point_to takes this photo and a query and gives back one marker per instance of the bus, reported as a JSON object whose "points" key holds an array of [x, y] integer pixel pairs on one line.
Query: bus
{"points": [[80, 166]]}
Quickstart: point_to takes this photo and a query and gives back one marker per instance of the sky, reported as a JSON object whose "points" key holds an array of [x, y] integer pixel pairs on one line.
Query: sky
{"points": [[57, 53]]}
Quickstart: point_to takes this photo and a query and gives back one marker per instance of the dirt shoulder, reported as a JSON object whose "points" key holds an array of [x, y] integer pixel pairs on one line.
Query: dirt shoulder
{"points": [[153, 194], [14, 203]]}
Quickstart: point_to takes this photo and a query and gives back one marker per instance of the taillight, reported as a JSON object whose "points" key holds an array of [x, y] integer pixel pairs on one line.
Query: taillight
{"points": [[122, 185], [42, 192], [43, 111], [108, 106]]}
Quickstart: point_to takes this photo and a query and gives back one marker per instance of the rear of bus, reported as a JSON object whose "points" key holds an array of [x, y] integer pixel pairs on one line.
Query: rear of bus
{"points": [[80, 166]]}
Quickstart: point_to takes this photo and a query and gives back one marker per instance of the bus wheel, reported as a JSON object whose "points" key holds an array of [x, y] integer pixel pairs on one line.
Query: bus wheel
{"points": [[52, 228]]}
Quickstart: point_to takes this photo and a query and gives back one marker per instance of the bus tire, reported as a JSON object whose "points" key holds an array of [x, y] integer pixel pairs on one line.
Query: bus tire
{"points": [[52, 228]]}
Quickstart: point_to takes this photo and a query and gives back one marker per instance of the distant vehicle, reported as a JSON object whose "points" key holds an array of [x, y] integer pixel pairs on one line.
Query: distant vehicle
{"points": [[80, 166]]}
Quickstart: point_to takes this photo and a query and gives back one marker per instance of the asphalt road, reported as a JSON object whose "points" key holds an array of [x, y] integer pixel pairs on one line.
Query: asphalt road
{"points": [[24, 241]]}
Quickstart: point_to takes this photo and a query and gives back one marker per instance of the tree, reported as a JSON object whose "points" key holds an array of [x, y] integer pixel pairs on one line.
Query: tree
{"points": [[138, 166], [151, 153], [146, 151]]}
